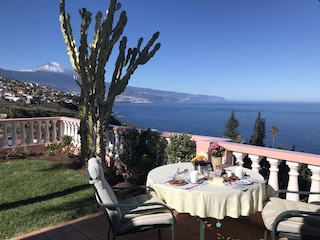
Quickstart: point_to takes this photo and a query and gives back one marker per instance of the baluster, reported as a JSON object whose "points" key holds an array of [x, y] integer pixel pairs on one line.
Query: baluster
{"points": [[228, 158], [117, 143], [239, 158], [5, 135], [23, 133], [293, 181], [255, 162], [46, 131], [39, 132], [107, 141], [111, 143], [315, 183], [72, 132], [31, 132], [14, 134], [273, 177], [65, 128], [77, 135], [54, 130]]}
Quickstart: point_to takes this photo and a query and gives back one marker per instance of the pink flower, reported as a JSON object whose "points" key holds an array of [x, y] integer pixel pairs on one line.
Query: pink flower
{"points": [[216, 150]]}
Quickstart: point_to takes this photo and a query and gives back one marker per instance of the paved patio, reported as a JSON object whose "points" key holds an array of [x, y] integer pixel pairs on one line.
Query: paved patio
{"points": [[94, 227]]}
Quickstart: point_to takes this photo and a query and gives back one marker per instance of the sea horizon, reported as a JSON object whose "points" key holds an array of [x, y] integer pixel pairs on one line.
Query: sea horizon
{"points": [[298, 122]]}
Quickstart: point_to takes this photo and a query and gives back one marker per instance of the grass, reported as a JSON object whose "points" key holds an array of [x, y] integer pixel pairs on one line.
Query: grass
{"points": [[36, 194]]}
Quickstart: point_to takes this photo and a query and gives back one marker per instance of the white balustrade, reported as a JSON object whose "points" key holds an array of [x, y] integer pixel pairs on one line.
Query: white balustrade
{"points": [[273, 176], [239, 158], [255, 162], [293, 180], [31, 131], [315, 183]]}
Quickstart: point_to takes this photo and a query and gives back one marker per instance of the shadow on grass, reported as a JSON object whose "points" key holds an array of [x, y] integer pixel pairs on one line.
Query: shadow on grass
{"points": [[37, 199], [76, 208]]}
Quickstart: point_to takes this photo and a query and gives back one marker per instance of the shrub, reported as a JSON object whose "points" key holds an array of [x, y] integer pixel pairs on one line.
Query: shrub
{"points": [[141, 151], [66, 140], [15, 153], [65, 146], [180, 148]]}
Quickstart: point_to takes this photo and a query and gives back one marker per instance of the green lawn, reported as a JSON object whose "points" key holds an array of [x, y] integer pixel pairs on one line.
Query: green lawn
{"points": [[36, 194]]}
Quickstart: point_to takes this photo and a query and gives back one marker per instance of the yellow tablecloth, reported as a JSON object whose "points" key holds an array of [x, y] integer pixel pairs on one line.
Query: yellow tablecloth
{"points": [[207, 199]]}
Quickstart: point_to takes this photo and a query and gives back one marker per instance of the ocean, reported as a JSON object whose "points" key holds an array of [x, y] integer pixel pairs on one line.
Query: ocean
{"points": [[298, 123]]}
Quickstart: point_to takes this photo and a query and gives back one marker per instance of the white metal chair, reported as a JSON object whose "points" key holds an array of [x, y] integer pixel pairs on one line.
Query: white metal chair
{"points": [[135, 214], [291, 219]]}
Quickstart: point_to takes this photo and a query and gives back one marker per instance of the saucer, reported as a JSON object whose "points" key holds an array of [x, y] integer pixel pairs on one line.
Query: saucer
{"points": [[243, 182]]}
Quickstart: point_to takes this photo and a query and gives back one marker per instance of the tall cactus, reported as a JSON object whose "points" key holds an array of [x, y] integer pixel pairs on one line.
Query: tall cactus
{"points": [[96, 106]]}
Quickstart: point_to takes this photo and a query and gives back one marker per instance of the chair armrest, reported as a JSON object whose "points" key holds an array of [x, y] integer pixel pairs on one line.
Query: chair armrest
{"points": [[142, 187], [293, 213], [113, 206]]}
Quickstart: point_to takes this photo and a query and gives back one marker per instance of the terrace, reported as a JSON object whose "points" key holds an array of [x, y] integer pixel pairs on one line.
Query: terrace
{"points": [[38, 133]]}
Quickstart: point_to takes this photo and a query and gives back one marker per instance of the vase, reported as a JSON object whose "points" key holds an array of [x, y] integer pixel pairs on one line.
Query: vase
{"points": [[216, 161]]}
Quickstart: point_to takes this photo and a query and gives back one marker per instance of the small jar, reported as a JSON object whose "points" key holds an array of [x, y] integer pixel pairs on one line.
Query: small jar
{"points": [[218, 171]]}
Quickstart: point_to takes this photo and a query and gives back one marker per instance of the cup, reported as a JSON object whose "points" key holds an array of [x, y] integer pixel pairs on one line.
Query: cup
{"points": [[211, 174], [239, 172], [217, 172], [229, 173], [194, 176]]}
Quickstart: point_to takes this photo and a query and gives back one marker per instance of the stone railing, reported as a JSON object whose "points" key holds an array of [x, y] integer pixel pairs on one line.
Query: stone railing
{"points": [[21, 132], [35, 131]]}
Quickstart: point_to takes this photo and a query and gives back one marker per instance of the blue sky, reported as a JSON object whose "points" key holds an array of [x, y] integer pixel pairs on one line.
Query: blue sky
{"points": [[237, 49]]}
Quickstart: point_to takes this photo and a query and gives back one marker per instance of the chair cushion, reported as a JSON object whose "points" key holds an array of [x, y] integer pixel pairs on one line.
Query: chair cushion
{"points": [[277, 205], [281, 205], [140, 199], [144, 217], [145, 222], [104, 190]]}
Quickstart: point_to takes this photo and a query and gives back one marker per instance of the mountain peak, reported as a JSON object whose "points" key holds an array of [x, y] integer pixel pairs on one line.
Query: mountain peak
{"points": [[49, 67]]}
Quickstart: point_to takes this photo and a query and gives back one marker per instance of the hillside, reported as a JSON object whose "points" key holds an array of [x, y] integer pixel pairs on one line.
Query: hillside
{"points": [[55, 76]]}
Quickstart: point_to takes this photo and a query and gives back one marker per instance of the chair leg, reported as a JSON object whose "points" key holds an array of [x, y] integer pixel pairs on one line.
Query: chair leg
{"points": [[173, 231], [265, 237], [110, 233], [159, 234]]}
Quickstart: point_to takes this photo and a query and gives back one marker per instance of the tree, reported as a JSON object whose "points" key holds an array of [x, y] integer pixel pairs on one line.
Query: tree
{"points": [[89, 62], [259, 132], [274, 131], [181, 147], [231, 128]]}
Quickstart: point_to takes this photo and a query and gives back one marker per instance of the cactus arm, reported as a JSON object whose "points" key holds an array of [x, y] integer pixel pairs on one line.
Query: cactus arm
{"points": [[68, 36], [83, 49], [135, 57]]}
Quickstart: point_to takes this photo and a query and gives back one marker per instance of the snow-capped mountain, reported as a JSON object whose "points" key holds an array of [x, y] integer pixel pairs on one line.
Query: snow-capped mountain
{"points": [[50, 67], [53, 75]]}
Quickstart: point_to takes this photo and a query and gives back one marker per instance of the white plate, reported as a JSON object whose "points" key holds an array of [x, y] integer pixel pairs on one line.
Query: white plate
{"points": [[244, 182], [172, 182], [200, 180]]}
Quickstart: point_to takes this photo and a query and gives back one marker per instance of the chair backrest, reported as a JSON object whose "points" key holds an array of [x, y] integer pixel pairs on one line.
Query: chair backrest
{"points": [[104, 192]]}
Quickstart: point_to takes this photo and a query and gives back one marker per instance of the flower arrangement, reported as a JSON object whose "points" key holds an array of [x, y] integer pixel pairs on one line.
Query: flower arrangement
{"points": [[215, 150]]}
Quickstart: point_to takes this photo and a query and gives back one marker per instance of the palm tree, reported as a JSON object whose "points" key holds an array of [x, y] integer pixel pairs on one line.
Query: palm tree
{"points": [[274, 131]]}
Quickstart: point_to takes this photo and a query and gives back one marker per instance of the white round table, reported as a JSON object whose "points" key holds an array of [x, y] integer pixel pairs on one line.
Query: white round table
{"points": [[208, 199]]}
